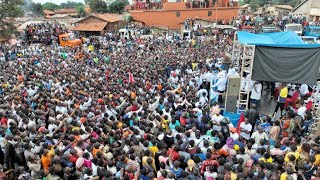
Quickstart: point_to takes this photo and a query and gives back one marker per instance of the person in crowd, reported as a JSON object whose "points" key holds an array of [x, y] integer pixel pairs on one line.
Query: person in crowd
{"points": [[140, 110]]}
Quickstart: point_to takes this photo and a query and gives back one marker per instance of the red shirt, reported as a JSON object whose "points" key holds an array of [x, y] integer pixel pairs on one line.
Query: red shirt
{"points": [[73, 159], [175, 155], [207, 163], [4, 121], [183, 121]]}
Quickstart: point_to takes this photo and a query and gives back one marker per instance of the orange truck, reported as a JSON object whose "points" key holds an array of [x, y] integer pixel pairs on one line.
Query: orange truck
{"points": [[69, 40]]}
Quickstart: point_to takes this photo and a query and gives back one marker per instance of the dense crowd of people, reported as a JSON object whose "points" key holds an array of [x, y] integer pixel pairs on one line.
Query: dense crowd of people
{"points": [[141, 110]]}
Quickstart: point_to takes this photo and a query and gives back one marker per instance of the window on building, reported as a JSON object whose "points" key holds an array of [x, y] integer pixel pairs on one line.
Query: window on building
{"points": [[209, 13], [178, 13]]}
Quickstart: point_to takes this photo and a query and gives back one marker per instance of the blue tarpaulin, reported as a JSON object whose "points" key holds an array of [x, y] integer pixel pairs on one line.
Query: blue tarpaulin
{"points": [[276, 39]]}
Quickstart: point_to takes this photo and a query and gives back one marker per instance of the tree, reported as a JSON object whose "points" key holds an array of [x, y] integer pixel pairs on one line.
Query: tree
{"points": [[117, 6], [36, 9], [50, 6], [97, 6], [81, 12], [254, 5], [71, 4], [9, 9]]}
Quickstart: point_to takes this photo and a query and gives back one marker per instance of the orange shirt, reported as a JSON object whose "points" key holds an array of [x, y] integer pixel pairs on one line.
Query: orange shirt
{"points": [[46, 161], [94, 152], [285, 126], [133, 95]]}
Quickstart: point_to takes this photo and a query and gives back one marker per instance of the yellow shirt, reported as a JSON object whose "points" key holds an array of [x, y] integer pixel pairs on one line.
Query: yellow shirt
{"points": [[317, 161], [283, 176], [266, 160], [284, 92], [296, 155], [153, 149]]}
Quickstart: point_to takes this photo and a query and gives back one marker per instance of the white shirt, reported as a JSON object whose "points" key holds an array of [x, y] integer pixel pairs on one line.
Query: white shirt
{"points": [[247, 127], [302, 111], [217, 119], [304, 89], [221, 84], [256, 92]]}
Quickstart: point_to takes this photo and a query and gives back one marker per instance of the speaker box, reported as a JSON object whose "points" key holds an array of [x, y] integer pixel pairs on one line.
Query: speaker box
{"points": [[233, 88]]}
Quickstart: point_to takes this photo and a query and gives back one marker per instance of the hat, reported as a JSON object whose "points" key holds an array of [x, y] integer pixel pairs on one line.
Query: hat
{"points": [[160, 137], [236, 147], [229, 142], [41, 129], [190, 163], [109, 155]]}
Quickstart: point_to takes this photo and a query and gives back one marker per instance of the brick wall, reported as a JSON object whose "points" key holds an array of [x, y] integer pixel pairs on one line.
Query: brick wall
{"points": [[172, 20]]}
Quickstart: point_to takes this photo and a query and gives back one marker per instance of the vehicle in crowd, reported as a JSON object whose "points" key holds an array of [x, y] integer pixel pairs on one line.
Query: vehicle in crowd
{"points": [[297, 28], [310, 39], [268, 29], [312, 31], [126, 33], [68, 39], [249, 29], [186, 34]]}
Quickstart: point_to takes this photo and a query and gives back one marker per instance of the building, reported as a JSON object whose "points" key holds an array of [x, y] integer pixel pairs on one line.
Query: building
{"points": [[99, 23], [310, 9], [48, 13], [279, 10], [72, 12], [170, 13], [244, 9]]}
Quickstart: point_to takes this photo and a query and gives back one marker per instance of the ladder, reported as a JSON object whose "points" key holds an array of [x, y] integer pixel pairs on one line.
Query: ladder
{"points": [[246, 67]]}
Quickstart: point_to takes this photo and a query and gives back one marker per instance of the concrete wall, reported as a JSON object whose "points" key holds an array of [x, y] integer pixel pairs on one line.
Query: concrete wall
{"points": [[304, 9], [170, 19]]}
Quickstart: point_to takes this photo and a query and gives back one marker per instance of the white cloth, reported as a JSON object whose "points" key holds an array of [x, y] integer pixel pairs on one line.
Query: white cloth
{"points": [[247, 127], [302, 111], [221, 84], [256, 92], [304, 89]]}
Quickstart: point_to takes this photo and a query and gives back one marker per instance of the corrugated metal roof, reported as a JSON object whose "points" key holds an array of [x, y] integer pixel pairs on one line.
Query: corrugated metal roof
{"points": [[288, 7], [109, 17], [66, 11], [97, 26]]}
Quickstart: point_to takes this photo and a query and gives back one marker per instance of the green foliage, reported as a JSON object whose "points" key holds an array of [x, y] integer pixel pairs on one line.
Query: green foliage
{"points": [[50, 6], [261, 3], [97, 6], [117, 6], [9, 9], [36, 9], [71, 4], [254, 5], [81, 12]]}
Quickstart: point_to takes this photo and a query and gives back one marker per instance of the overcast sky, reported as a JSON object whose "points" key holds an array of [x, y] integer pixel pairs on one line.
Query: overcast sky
{"points": [[55, 1]]}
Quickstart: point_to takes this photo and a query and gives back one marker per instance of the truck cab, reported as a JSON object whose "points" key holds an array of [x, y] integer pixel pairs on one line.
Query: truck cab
{"points": [[297, 28], [312, 31], [68, 39]]}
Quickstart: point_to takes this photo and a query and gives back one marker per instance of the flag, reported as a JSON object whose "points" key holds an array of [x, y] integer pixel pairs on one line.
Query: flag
{"points": [[131, 78], [239, 122]]}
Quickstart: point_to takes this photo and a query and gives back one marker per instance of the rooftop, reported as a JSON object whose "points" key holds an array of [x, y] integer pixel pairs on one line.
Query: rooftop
{"points": [[66, 11], [94, 26]]}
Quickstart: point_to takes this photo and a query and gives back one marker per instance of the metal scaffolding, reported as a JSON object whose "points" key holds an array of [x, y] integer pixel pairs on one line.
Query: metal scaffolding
{"points": [[242, 57]]}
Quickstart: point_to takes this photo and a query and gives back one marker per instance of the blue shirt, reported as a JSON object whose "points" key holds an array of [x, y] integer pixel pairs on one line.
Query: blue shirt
{"points": [[202, 156], [176, 172]]}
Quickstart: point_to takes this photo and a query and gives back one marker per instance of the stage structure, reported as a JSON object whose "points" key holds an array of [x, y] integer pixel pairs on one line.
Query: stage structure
{"points": [[275, 57]]}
